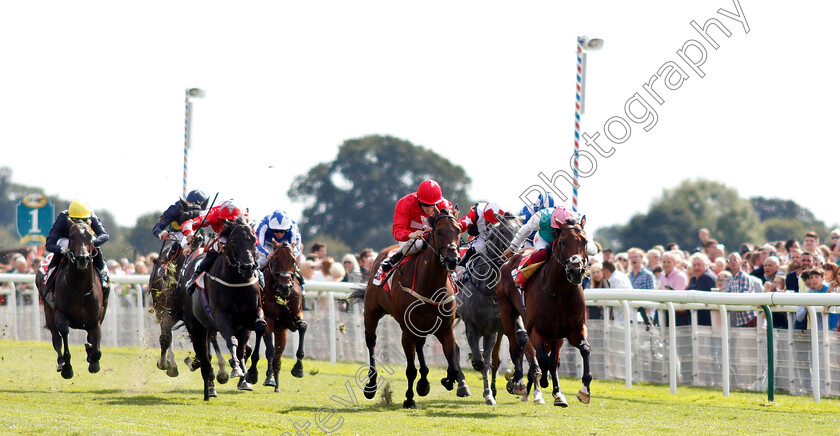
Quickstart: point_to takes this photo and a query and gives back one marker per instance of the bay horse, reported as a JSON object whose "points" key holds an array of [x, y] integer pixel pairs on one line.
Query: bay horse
{"points": [[478, 307], [168, 303], [554, 309], [229, 303], [422, 301], [78, 300], [283, 305]]}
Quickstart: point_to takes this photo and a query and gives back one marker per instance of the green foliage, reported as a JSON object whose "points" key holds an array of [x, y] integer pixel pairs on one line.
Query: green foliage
{"points": [[335, 247], [782, 229], [694, 204], [774, 213], [131, 396], [353, 196], [140, 236], [609, 237]]}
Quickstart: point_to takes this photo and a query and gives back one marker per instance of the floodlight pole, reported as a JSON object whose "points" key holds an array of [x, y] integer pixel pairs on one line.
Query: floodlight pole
{"points": [[589, 44], [196, 93]]}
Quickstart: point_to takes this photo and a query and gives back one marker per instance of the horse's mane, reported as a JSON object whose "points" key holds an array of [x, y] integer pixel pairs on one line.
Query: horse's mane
{"points": [[230, 225]]}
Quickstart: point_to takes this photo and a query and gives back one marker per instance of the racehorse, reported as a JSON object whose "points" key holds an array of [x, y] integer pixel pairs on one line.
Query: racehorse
{"points": [[168, 303], [422, 301], [554, 309], [478, 307], [229, 303], [78, 301], [283, 305]]}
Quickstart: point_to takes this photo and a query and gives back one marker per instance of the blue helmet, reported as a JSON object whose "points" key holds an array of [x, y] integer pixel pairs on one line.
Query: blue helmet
{"points": [[197, 197], [279, 221], [540, 204]]}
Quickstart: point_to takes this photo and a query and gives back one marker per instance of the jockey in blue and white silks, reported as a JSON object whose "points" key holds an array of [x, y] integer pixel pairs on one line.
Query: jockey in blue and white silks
{"points": [[532, 209], [275, 229]]}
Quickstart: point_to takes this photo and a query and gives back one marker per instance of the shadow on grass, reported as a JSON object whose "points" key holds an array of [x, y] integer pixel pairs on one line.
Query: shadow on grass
{"points": [[142, 400]]}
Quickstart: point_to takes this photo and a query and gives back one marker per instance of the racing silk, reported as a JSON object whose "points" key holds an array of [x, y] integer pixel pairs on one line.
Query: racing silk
{"points": [[528, 211], [409, 217], [541, 223], [213, 220], [173, 217], [266, 241], [475, 221], [60, 229]]}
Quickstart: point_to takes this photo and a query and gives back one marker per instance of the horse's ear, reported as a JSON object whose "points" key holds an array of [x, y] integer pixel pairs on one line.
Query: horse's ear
{"points": [[583, 221], [499, 217], [184, 204], [559, 223], [69, 222], [456, 210]]}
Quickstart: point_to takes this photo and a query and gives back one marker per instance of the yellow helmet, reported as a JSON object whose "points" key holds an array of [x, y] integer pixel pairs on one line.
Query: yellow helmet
{"points": [[79, 210]]}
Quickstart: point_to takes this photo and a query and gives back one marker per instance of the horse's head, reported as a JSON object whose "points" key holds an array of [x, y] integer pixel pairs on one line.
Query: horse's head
{"points": [[240, 249], [80, 248], [281, 267], [501, 233], [444, 238], [569, 249]]}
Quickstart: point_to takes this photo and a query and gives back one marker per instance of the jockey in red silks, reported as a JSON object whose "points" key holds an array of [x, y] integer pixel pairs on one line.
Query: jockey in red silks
{"points": [[476, 223], [216, 218], [410, 217]]}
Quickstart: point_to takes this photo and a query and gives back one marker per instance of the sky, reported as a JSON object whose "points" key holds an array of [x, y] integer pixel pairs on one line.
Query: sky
{"points": [[92, 97]]}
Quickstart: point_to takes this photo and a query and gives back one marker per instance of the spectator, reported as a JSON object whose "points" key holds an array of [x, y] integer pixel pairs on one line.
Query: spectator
{"points": [[835, 245], [832, 281], [640, 278], [307, 270], [674, 279], [739, 283], [811, 242], [622, 262], [703, 234], [614, 277], [702, 279], [336, 273], [794, 269], [714, 249], [319, 250], [769, 277], [825, 253], [608, 255], [790, 244], [366, 258], [815, 284], [781, 251], [719, 266], [351, 269], [126, 266], [326, 264], [598, 282], [721, 279], [654, 257]]}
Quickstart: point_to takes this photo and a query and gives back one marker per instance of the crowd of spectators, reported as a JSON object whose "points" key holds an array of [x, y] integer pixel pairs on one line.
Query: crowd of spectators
{"points": [[778, 266]]}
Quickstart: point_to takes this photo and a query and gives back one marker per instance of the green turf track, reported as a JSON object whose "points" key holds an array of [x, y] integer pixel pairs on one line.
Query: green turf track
{"points": [[131, 396]]}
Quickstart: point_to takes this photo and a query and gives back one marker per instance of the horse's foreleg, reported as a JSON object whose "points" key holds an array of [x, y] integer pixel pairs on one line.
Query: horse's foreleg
{"points": [[92, 348], [49, 315], [253, 376], [373, 313], [242, 338], [297, 370], [167, 357], [423, 386], [487, 369], [280, 338], [268, 341], [409, 343], [557, 392], [64, 330], [583, 394], [222, 376], [517, 339], [226, 330], [534, 375], [202, 354], [453, 370], [496, 362]]}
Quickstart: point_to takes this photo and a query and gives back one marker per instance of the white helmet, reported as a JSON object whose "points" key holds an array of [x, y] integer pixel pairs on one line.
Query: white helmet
{"points": [[279, 221]]}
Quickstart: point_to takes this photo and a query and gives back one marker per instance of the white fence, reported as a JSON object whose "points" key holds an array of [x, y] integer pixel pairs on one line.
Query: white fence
{"points": [[806, 362]]}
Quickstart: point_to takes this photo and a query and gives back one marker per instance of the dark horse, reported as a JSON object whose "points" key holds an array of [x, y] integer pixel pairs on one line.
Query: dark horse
{"points": [[168, 303], [554, 310], [478, 307], [229, 304], [422, 301], [283, 305], [78, 299]]}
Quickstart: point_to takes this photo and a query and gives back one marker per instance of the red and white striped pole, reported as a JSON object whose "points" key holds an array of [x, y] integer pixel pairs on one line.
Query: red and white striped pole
{"points": [[577, 120], [196, 93]]}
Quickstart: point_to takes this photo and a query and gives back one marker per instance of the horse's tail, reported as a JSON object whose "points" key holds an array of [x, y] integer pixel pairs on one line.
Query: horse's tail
{"points": [[358, 295]]}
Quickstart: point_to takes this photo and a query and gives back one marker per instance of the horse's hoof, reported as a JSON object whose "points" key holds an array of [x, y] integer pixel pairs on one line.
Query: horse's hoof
{"points": [[490, 401], [297, 370], [409, 404], [160, 365], [222, 377], [509, 386], [537, 400], [269, 381], [190, 363], [67, 371], [478, 365], [252, 376], [463, 391], [370, 392], [276, 389], [560, 401], [244, 385], [447, 383], [423, 387], [524, 399], [237, 372], [93, 368], [172, 372], [583, 397], [519, 388], [543, 382], [212, 392]]}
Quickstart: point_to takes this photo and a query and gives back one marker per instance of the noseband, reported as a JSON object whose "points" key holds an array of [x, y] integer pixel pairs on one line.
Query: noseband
{"points": [[280, 289], [575, 260], [450, 245]]}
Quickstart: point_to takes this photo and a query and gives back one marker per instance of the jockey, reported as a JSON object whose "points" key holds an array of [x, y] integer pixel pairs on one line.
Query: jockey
{"points": [[544, 223], [182, 210], [58, 242], [475, 223], [410, 217], [528, 211], [275, 229], [216, 218]]}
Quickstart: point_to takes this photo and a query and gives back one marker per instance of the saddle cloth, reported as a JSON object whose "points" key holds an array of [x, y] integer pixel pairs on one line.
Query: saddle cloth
{"points": [[386, 284]]}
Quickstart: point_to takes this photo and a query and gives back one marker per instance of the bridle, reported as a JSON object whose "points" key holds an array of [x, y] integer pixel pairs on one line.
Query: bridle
{"points": [[72, 256], [233, 262], [281, 290], [450, 245], [574, 263]]}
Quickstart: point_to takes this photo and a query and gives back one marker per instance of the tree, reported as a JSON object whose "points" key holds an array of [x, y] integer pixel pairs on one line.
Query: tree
{"points": [[141, 237], [782, 229], [682, 211], [352, 198], [775, 214]]}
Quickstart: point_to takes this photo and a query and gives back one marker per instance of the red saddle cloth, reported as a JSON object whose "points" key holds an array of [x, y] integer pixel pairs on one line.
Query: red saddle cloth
{"points": [[386, 285]]}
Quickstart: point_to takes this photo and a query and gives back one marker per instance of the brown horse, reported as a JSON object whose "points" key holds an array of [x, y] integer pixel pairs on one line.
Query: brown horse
{"points": [[422, 301], [283, 305], [554, 310], [168, 303], [78, 301]]}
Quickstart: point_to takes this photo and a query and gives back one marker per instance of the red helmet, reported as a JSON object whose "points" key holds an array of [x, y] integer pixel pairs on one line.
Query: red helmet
{"points": [[429, 192], [228, 210]]}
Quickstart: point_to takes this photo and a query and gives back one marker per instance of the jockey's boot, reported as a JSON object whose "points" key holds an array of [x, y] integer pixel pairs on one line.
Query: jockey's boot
{"points": [[261, 279], [386, 266], [106, 279], [299, 277], [200, 268]]}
